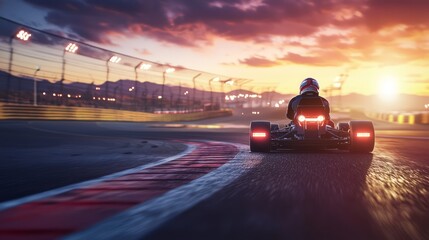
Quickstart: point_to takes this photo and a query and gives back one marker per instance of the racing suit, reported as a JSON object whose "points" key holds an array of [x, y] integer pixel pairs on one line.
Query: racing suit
{"points": [[293, 105]]}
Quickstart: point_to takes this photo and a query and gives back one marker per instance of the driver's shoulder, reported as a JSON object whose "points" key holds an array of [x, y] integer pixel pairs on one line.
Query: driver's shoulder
{"points": [[295, 98]]}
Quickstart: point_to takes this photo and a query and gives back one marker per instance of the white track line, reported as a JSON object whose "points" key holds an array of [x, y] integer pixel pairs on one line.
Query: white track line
{"points": [[35, 197], [138, 221]]}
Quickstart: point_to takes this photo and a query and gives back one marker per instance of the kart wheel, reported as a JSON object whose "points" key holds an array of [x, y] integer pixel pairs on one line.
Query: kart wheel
{"points": [[260, 136], [362, 137], [274, 127], [343, 127]]}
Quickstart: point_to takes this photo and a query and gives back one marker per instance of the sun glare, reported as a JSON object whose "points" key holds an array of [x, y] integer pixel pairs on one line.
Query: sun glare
{"points": [[388, 88]]}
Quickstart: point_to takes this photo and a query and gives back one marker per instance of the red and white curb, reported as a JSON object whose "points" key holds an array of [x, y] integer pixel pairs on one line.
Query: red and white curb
{"points": [[128, 204]]}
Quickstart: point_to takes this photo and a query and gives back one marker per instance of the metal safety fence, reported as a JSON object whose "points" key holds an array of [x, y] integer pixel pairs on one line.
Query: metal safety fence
{"points": [[43, 68]]}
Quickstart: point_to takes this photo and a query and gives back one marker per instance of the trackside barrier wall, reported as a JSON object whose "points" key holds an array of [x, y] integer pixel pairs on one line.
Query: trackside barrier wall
{"points": [[401, 118], [29, 112]]}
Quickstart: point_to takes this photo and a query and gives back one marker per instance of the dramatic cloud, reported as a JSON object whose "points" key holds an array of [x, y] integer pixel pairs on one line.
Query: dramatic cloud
{"points": [[323, 58], [257, 61], [341, 29], [380, 13], [320, 58], [176, 21]]}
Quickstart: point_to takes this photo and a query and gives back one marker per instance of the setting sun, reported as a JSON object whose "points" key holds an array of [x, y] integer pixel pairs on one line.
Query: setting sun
{"points": [[388, 88]]}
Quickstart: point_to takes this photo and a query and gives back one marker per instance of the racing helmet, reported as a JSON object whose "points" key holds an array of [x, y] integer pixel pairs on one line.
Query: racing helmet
{"points": [[309, 85]]}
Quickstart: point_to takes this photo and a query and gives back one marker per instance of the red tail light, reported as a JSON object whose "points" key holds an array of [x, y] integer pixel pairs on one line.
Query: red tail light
{"points": [[259, 134], [302, 118], [363, 134]]}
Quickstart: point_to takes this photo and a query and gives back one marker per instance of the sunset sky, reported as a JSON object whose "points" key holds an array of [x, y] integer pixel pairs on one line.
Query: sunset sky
{"points": [[380, 44]]}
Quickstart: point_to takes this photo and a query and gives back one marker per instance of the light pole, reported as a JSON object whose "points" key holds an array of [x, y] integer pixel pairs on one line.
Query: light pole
{"points": [[136, 77], [144, 95], [107, 76], [179, 96], [229, 81], [24, 36], [35, 86], [193, 91], [10, 66], [71, 48], [154, 99], [168, 70], [143, 66], [203, 95], [113, 59], [216, 79]]}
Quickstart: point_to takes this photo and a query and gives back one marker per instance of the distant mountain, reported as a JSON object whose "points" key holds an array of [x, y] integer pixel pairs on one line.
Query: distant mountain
{"points": [[401, 102], [128, 88], [123, 87], [275, 96]]}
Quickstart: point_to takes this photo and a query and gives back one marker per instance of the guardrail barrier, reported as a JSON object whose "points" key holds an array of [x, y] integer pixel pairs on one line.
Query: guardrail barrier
{"points": [[30, 112]]}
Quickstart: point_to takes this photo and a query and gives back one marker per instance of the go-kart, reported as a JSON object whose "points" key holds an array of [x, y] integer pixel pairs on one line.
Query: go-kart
{"points": [[310, 129]]}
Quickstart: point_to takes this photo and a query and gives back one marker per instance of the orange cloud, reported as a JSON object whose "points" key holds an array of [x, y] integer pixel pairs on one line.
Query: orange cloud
{"points": [[321, 58], [258, 61], [381, 14], [357, 31], [317, 58]]}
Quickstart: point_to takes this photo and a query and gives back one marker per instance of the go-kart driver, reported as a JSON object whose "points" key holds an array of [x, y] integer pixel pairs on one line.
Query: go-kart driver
{"points": [[309, 89]]}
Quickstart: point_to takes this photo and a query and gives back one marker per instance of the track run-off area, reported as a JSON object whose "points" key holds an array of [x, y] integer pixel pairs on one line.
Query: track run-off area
{"points": [[198, 180]]}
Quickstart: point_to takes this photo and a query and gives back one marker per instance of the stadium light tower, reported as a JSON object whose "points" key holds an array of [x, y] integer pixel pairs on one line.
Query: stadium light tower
{"points": [[193, 91], [71, 48], [113, 59], [168, 70], [142, 66], [35, 86], [22, 35], [229, 81], [216, 79]]}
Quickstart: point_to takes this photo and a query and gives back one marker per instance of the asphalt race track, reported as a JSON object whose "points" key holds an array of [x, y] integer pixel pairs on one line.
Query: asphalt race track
{"points": [[216, 189]]}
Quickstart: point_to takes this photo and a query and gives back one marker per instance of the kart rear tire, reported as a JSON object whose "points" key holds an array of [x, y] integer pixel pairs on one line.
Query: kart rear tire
{"points": [[343, 127], [361, 144], [264, 144]]}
